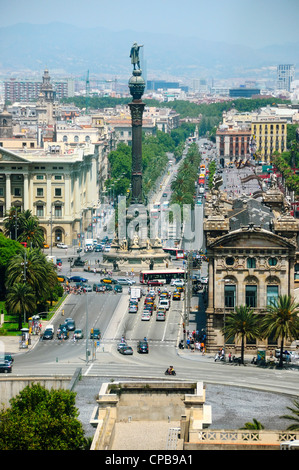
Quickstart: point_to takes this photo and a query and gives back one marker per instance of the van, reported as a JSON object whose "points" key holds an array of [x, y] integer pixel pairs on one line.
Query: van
{"points": [[164, 303]]}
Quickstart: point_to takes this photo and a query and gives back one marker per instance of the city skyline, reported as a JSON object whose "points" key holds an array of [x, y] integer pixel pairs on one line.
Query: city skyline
{"points": [[257, 25]]}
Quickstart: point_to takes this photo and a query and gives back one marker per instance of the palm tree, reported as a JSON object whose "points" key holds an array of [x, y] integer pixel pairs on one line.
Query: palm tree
{"points": [[295, 426], [11, 226], [243, 323], [281, 320], [254, 425], [32, 267], [30, 230], [20, 300]]}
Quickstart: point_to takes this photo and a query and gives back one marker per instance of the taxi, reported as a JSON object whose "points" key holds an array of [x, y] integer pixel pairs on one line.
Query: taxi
{"points": [[176, 295]]}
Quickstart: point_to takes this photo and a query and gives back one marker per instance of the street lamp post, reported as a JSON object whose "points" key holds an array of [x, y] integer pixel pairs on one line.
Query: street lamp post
{"points": [[225, 281], [86, 328]]}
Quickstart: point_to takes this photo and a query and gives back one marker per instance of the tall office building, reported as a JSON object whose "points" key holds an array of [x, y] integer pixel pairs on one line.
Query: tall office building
{"points": [[285, 76]]}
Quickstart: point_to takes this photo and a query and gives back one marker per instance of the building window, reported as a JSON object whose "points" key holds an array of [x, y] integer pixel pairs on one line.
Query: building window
{"points": [[58, 192], [58, 177], [40, 192], [40, 211], [39, 177], [272, 261], [272, 294], [17, 192], [251, 296], [76, 138], [64, 138], [251, 263], [230, 296], [58, 211]]}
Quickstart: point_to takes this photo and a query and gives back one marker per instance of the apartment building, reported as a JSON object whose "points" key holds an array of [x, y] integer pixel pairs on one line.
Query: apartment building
{"points": [[244, 134], [285, 76], [269, 135]]}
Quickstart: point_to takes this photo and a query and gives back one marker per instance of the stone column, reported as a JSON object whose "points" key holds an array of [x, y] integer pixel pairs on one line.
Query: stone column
{"points": [[26, 192], [137, 86], [8, 192]]}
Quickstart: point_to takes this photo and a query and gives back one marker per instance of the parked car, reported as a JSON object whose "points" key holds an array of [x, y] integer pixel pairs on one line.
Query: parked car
{"points": [[61, 245], [78, 279], [78, 334], [5, 367], [126, 350], [142, 346], [95, 333]]}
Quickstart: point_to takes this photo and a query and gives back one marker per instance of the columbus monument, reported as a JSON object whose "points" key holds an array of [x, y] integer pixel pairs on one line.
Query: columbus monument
{"points": [[134, 249]]}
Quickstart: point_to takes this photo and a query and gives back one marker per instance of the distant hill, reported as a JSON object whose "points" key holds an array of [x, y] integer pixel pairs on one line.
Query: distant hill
{"points": [[73, 50]]}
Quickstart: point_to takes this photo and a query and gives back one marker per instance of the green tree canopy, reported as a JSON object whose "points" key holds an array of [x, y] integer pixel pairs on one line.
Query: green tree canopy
{"points": [[41, 419]]}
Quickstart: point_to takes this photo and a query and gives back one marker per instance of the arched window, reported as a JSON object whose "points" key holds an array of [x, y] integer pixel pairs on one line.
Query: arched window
{"points": [[64, 139], [76, 138]]}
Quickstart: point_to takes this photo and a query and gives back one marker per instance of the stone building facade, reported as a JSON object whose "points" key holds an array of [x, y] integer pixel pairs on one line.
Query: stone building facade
{"points": [[61, 189], [252, 249]]}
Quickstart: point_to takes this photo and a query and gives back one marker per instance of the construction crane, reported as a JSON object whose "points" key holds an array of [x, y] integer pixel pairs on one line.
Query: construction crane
{"points": [[87, 93]]}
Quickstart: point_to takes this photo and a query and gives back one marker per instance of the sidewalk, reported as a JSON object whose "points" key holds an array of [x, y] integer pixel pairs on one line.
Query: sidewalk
{"points": [[11, 344]]}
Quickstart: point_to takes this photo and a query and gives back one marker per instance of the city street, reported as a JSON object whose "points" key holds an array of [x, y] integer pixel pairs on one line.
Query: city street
{"points": [[109, 312]]}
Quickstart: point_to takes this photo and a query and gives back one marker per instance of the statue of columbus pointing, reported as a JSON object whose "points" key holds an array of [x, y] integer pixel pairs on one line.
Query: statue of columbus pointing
{"points": [[134, 54]]}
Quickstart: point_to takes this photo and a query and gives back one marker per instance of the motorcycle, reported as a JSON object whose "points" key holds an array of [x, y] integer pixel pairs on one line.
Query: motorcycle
{"points": [[170, 371]]}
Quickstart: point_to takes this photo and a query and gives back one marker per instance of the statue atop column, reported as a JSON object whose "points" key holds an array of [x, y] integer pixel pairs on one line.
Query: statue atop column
{"points": [[134, 54]]}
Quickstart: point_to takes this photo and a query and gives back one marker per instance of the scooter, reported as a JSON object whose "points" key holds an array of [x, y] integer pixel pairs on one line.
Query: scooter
{"points": [[170, 371]]}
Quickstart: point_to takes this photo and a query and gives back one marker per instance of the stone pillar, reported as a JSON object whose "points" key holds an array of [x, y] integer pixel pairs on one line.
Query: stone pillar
{"points": [[8, 192], [26, 192], [136, 113], [137, 86]]}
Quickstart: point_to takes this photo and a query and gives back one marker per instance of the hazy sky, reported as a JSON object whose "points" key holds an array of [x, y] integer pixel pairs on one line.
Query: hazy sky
{"points": [[250, 22]]}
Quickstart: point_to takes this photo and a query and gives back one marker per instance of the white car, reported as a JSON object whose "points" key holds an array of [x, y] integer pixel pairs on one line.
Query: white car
{"points": [[204, 280], [145, 316], [61, 245], [177, 282]]}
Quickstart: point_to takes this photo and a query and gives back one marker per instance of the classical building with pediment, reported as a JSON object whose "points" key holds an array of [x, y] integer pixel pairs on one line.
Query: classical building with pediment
{"points": [[61, 189], [252, 247]]}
